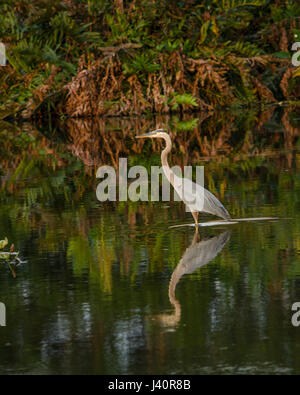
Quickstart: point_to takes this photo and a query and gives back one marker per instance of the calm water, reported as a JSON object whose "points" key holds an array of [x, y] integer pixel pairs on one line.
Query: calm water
{"points": [[111, 288]]}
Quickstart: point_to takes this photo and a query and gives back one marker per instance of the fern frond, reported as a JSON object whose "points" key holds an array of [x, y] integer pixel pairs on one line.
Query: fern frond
{"points": [[183, 99], [246, 49], [227, 5]]}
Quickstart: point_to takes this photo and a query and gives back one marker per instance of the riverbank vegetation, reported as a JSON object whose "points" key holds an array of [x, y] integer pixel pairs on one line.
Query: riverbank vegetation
{"points": [[80, 59]]}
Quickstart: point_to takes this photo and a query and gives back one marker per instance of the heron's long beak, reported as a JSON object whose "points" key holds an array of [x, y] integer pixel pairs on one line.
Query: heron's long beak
{"points": [[141, 136]]}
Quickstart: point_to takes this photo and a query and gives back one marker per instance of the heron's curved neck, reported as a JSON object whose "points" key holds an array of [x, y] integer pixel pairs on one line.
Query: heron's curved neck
{"points": [[164, 154], [176, 275]]}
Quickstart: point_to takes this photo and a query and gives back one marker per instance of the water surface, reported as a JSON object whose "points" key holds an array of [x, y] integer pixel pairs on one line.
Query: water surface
{"points": [[110, 288]]}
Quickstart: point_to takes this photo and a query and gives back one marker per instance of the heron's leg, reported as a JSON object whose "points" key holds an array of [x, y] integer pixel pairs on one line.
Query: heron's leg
{"points": [[195, 215], [196, 237]]}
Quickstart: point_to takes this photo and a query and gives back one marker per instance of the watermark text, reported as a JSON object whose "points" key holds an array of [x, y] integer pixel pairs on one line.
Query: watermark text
{"points": [[2, 314]]}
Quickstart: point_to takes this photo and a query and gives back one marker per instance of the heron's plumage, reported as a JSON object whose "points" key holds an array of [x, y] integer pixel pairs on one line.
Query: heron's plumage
{"points": [[195, 196]]}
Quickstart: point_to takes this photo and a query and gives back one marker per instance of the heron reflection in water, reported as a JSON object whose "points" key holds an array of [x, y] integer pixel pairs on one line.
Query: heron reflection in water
{"points": [[205, 201], [196, 255]]}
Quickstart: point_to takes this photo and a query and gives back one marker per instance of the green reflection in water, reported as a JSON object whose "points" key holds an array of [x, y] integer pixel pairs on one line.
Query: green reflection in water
{"points": [[92, 293]]}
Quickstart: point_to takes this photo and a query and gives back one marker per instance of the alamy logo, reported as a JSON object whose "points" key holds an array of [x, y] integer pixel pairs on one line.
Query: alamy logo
{"points": [[192, 194], [296, 55], [2, 314], [296, 316], [2, 55]]}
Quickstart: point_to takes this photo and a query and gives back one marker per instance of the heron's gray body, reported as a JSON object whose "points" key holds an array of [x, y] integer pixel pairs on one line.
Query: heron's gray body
{"points": [[196, 255], [196, 197], [200, 254]]}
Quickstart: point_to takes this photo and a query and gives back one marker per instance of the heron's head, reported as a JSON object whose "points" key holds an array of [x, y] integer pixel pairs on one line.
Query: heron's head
{"points": [[156, 133]]}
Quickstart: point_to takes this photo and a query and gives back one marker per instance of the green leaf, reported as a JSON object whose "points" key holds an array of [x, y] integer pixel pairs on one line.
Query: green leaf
{"points": [[185, 98], [203, 32], [3, 243], [187, 125], [282, 55], [296, 73]]}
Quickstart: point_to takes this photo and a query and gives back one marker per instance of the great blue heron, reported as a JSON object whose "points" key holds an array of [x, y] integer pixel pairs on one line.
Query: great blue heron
{"points": [[187, 189], [196, 255]]}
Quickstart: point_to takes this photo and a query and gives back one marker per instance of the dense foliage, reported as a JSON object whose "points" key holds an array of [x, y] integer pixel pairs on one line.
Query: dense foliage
{"points": [[89, 57]]}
